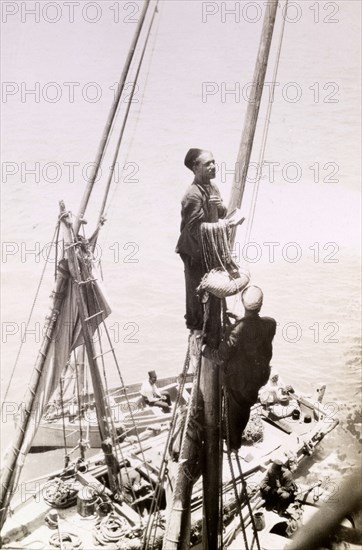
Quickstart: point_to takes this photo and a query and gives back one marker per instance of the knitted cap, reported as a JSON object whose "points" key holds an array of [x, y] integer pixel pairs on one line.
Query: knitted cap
{"points": [[252, 298]]}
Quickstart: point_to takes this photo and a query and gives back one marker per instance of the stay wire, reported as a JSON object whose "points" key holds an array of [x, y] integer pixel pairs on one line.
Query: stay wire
{"points": [[163, 470], [191, 414], [125, 118], [56, 231], [111, 202], [252, 519], [66, 455], [237, 496], [80, 405], [265, 135], [108, 130]]}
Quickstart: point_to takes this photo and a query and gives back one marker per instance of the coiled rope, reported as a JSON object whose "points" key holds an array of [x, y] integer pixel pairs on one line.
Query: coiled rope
{"points": [[224, 277], [111, 529], [65, 541], [59, 494]]}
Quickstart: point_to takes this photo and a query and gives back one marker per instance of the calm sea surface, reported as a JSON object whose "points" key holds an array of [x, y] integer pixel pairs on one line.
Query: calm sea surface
{"points": [[305, 250]]}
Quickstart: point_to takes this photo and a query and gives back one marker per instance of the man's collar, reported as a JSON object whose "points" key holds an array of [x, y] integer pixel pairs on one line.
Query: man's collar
{"points": [[204, 188]]}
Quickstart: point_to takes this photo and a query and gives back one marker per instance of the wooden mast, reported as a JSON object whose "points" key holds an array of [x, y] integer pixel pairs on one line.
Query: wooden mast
{"points": [[110, 119], [9, 469], [251, 117], [210, 372], [84, 317], [8, 475], [210, 388]]}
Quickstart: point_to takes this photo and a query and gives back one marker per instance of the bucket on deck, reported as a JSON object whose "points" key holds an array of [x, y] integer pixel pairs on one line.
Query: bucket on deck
{"points": [[259, 521], [86, 502]]}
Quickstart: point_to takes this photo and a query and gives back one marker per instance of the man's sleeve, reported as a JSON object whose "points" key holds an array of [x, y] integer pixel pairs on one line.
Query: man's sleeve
{"points": [[288, 482], [157, 391], [268, 345], [265, 483], [193, 214], [226, 348], [221, 210]]}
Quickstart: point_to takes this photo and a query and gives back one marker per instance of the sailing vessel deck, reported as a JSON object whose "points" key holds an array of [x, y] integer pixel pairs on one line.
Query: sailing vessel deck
{"points": [[27, 522]]}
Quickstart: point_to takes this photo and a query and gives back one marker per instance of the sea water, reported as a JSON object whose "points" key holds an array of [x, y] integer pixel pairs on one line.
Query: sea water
{"points": [[303, 249]]}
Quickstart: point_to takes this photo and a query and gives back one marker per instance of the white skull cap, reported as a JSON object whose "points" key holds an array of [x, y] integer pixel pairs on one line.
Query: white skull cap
{"points": [[252, 298]]}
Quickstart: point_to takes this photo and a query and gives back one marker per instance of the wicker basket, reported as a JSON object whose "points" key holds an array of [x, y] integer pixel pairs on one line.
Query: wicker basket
{"points": [[221, 284]]}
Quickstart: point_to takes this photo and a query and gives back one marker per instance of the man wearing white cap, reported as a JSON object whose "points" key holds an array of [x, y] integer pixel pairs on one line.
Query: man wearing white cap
{"points": [[245, 353]]}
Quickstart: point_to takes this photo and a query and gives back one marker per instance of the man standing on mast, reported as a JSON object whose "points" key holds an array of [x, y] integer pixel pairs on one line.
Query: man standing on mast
{"points": [[201, 203], [245, 353]]}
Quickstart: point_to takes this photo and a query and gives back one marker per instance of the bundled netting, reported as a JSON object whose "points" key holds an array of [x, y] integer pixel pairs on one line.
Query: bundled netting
{"points": [[224, 278], [254, 430]]}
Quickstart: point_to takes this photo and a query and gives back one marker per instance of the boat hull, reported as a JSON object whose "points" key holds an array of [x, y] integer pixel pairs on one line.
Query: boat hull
{"points": [[129, 417], [27, 524]]}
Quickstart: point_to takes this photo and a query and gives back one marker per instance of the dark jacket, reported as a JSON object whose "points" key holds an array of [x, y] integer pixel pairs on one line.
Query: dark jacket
{"points": [[246, 353], [275, 480], [195, 209]]}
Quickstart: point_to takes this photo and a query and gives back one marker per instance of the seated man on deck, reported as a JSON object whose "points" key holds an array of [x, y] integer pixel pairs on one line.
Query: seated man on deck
{"points": [[153, 396], [278, 487], [245, 353], [279, 398]]}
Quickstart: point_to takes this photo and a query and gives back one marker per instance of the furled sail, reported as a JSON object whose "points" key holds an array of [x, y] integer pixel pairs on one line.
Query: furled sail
{"points": [[65, 336]]}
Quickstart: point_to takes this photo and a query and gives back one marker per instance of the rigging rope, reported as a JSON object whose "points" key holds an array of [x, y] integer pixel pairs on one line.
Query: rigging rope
{"points": [[82, 443], [125, 118], [66, 455], [113, 431], [111, 118], [30, 314], [215, 244], [163, 472], [237, 497], [190, 418], [243, 483], [111, 202], [265, 135], [87, 263]]}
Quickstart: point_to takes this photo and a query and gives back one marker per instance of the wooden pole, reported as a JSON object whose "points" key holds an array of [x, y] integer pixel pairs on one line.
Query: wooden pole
{"points": [[99, 393], [210, 391], [251, 117], [8, 476], [210, 375], [7, 482], [110, 119], [183, 475]]}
